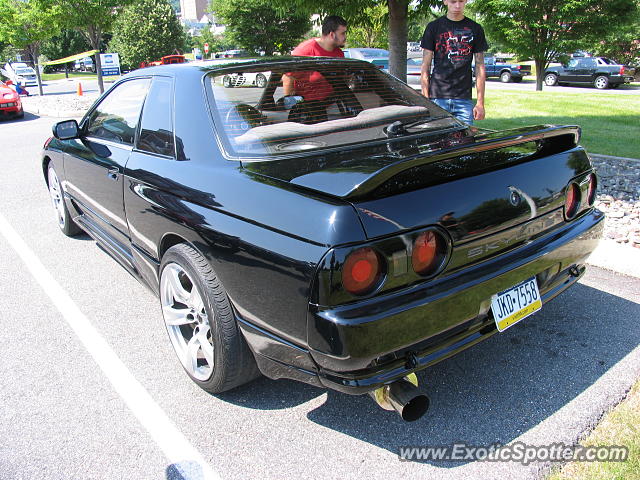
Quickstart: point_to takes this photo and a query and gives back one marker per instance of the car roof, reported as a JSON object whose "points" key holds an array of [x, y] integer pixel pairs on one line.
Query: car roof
{"points": [[205, 66]]}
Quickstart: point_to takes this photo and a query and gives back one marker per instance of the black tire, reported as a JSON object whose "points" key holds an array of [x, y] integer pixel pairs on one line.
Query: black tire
{"points": [[226, 361], [614, 85], [226, 81], [550, 79], [601, 82], [505, 77], [63, 217], [261, 80], [516, 79]]}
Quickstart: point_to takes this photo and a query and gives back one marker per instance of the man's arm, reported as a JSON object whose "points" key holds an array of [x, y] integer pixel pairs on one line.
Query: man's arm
{"points": [[425, 71], [481, 77], [287, 85]]}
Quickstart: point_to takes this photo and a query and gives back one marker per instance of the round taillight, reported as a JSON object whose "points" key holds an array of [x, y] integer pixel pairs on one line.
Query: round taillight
{"points": [[361, 271], [571, 201], [429, 252], [593, 186]]}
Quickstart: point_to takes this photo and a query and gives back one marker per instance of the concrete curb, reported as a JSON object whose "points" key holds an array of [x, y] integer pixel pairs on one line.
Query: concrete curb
{"points": [[56, 114], [611, 255]]}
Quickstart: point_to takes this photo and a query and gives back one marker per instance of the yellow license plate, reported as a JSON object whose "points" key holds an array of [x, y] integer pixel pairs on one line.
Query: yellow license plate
{"points": [[516, 303]]}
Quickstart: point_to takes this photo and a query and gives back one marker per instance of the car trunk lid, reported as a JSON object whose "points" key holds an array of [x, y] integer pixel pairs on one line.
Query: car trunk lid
{"points": [[472, 185]]}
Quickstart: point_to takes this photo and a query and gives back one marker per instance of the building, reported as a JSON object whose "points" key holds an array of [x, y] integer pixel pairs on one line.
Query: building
{"points": [[193, 10]]}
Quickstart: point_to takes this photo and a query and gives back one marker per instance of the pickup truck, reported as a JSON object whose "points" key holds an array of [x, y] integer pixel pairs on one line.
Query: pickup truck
{"points": [[505, 71], [601, 72]]}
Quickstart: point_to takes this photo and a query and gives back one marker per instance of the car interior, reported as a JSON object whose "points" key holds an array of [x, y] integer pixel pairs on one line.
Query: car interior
{"points": [[356, 99]]}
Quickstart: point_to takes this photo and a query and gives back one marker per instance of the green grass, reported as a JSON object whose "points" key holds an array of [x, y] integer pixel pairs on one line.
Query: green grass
{"points": [[620, 427], [59, 76], [610, 122]]}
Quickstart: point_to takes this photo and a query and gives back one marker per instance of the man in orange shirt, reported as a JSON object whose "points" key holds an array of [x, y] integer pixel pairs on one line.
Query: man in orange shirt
{"points": [[312, 85]]}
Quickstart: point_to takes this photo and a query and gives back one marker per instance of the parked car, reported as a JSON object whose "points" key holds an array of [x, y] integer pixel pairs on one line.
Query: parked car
{"points": [[10, 102], [346, 241], [377, 56], [506, 72], [84, 65], [20, 73], [244, 79], [600, 72]]}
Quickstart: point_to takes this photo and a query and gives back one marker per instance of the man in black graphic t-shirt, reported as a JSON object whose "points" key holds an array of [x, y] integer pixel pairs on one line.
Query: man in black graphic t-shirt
{"points": [[451, 43]]}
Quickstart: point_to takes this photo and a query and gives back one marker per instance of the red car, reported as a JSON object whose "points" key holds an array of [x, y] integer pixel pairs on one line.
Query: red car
{"points": [[10, 103]]}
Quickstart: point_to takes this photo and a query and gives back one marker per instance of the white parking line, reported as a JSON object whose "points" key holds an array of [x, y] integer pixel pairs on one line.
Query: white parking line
{"points": [[185, 459]]}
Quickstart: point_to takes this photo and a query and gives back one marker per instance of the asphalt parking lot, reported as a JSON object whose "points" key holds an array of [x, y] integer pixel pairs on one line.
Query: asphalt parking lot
{"points": [[91, 388]]}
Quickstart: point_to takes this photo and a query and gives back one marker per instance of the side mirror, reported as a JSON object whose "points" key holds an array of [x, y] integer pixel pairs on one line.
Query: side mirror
{"points": [[66, 130]]}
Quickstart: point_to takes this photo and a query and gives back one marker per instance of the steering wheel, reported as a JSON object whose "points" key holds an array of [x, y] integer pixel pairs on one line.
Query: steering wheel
{"points": [[241, 117]]}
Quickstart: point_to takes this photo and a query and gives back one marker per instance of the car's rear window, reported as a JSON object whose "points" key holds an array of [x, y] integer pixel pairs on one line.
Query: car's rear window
{"points": [[334, 103]]}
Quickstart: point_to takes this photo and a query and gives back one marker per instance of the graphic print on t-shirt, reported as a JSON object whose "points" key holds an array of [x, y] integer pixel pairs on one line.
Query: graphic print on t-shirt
{"points": [[456, 44]]}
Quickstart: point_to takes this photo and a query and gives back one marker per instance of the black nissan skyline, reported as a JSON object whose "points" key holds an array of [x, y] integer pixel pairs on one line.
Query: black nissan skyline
{"points": [[345, 236]]}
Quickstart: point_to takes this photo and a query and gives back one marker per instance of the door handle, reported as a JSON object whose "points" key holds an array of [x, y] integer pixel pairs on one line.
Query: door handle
{"points": [[113, 173]]}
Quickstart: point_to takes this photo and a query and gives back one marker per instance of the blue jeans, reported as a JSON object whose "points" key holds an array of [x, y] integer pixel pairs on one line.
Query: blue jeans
{"points": [[460, 108]]}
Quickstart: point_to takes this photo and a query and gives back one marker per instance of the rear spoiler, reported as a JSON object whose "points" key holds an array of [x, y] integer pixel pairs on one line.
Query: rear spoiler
{"points": [[483, 142]]}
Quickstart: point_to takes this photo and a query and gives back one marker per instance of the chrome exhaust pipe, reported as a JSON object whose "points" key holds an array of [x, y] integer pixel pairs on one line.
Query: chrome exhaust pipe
{"points": [[404, 397]]}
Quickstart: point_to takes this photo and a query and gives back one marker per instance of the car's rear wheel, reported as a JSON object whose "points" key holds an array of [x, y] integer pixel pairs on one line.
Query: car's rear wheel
{"points": [[601, 82], [505, 77], [516, 79], [201, 324], [550, 79], [226, 81], [261, 80], [63, 217]]}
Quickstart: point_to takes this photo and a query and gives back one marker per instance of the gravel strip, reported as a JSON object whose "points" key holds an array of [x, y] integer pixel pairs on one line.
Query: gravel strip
{"points": [[619, 198]]}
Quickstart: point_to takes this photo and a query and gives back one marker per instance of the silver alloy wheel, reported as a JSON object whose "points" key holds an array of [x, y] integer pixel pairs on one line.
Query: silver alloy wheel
{"points": [[187, 321], [550, 79], [601, 82], [57, 199]]}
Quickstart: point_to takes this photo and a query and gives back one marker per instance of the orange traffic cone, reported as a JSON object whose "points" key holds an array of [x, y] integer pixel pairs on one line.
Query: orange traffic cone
{"points": [[79, 90]]}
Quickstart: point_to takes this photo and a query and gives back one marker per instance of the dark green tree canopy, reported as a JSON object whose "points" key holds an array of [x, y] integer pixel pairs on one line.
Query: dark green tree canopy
{"points": [[145, 31], [257, 26]]}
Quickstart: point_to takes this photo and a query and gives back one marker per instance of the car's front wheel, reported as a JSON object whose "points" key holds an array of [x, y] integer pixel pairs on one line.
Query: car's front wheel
{"points": [[63, 217], [505, 77], [201, 324], [601, 82], [226, 81], [550, 79], [261, 80]]}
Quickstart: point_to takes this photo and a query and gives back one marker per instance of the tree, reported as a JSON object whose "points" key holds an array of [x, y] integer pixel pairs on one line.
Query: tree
{"points": [[217, 43], [257, 26], [93, 18], [25, 24], [621, 43], [544, 29], [145, 31], [67, 43], [371, 31], [354, 11]]}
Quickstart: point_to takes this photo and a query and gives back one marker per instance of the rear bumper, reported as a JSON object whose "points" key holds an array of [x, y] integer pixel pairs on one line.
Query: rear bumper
{"points": [[620, 79], [11, 111], [359, 347]]}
